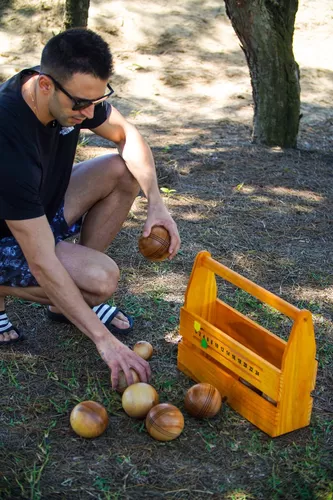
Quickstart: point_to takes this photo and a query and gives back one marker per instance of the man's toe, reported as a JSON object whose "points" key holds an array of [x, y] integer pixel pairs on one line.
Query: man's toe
{"points": [[116, 320], [13, 335], [120, 321], [7, 336]]}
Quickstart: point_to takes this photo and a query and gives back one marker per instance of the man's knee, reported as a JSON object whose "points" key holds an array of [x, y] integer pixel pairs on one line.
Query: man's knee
{"points": [[104, 280], [92, 271], [125, 180]]}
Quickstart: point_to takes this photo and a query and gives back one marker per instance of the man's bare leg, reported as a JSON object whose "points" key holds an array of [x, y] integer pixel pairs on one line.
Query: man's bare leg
{"points": [[104, 190], [95, 274]]}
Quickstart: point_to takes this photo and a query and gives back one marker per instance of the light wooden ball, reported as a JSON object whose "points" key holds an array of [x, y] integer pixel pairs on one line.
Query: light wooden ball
{"points": [[89, 419], [138, 399], [155, 247], [203, 400], [122, 382], [165, 422], [143, 349]]}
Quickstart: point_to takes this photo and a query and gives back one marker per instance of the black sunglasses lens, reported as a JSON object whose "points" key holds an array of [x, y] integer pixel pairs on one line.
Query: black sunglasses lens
{"points": [[81, 105], [85, 104]]}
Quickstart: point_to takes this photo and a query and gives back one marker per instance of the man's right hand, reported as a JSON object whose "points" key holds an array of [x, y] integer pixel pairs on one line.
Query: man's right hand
{"points": [[119, 357]]}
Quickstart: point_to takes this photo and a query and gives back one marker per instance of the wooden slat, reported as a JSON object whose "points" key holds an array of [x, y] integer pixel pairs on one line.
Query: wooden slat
{"points": [[231, 354], [249, 287], [299, 369]]}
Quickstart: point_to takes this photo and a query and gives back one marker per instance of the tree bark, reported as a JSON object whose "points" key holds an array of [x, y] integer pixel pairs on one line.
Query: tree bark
{"points": [[76, 13], [265, 29]]}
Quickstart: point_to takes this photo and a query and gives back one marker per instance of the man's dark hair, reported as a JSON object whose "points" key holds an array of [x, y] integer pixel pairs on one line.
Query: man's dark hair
{"points": [[77, 50]]}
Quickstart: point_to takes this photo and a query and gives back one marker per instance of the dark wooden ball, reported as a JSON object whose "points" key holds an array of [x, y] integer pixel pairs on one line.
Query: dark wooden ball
{"points": [[164, 422], [203, 400], [155, 247]]}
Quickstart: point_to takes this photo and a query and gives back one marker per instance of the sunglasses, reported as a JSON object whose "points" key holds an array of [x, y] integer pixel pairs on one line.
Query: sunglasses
{"points": [[80, 103]]}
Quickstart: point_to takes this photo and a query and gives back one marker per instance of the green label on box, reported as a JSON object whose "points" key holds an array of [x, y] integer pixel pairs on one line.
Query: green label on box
{"points": [[204, 343]]}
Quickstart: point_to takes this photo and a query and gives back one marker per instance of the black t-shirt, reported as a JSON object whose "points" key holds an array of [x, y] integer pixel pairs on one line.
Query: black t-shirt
{"points": [[35, 160]]}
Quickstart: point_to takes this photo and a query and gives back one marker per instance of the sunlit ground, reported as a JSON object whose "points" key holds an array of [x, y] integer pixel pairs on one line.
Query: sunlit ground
{"points": [[191, 59]]}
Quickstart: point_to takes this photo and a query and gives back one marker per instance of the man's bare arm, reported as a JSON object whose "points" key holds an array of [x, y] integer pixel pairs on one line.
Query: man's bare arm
{"points": [[37, 243], [139, 160]]}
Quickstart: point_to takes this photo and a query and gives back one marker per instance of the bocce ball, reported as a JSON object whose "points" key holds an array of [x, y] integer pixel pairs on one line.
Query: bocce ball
{"points": [[155, 246], [122, 382], [143, 349], [165, 422], [138, 399], [89, 419], [203, 400]]}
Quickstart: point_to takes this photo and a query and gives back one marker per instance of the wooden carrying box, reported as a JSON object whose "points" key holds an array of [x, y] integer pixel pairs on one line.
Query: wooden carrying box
{"points": [[265, 379]]}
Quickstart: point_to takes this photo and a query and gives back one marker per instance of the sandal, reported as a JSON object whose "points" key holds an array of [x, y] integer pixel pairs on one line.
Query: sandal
{"points": [[105, 313], [6, 326]]}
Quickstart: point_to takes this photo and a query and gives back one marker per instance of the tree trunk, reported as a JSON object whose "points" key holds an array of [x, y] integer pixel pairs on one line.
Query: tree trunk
{"points": [[76, 13], [265, 29]]}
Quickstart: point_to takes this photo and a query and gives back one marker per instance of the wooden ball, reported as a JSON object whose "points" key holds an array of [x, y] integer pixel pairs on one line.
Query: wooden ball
{"points": [[143, 349], [203, 401], [89, 419], [165, 422], [122, 382], [155, 246], [138, 399]]}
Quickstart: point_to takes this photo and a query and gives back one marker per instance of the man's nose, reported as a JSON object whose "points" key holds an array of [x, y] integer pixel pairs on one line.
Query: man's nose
{"points": [[89, 111]]}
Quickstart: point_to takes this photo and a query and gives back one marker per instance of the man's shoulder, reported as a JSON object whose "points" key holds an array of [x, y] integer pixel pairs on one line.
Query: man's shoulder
{"points": [[10, 100], [13, 110], [10, 90], [15, 80]]}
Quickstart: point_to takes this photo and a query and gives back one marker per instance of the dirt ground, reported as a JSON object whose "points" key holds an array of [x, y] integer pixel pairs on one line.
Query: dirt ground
{"points": [[181, 78]]}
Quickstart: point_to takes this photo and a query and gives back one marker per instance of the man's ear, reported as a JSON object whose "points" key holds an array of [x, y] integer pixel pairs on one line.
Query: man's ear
{"points": [[45, 85]]}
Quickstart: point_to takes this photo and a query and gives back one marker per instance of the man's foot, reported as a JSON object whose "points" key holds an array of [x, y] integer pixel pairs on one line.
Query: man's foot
{"points": [[8, 334], [116, 320]]}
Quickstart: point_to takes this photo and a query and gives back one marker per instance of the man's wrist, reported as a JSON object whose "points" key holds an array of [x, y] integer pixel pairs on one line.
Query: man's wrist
{"points": [[155, 200], [153, 195], [102, 336]]}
